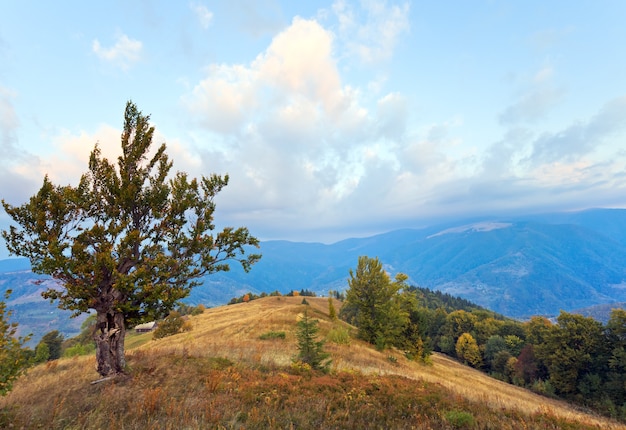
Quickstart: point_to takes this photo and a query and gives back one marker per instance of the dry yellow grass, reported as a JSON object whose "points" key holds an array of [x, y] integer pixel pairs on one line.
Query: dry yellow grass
{"points": [[233, 332], [216, 334]]}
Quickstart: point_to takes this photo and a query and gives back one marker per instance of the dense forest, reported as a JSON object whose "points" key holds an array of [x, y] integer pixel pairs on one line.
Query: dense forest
{"points": [[575, 358]]}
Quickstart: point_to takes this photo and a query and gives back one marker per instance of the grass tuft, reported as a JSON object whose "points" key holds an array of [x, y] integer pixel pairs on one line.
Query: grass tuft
{"points": [[273, 335]]}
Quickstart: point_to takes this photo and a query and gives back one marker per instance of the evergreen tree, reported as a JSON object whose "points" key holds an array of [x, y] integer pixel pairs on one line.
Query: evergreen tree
{"points": [[375, 304], [332, 313], [310, 350], [129, 241]]}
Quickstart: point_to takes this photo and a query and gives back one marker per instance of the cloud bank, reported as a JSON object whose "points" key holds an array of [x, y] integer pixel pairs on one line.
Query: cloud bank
{"points": [[321, 144]]}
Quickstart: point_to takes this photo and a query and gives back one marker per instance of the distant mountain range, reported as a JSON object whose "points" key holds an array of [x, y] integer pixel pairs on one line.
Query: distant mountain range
{"points": [[521, 266]]}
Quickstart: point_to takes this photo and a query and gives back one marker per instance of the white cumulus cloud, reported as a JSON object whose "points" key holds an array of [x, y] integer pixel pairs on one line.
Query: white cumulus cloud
{"points": [[123, 54], [297, 141], [371, 29]]}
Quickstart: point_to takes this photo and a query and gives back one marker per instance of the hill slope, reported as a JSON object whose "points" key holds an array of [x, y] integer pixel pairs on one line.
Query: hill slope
{"points": [[221, 375]]}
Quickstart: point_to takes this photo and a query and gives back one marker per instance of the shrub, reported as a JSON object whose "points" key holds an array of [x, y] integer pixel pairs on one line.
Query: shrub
{"points": [[171, 325], [42, 353], [460, 419], [272, 335], [543, 387], [79, 349], [339, 335]]}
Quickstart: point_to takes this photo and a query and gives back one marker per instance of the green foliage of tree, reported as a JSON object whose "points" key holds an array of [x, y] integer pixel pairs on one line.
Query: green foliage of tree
{"points": [[416, 341], [514, 344], [42, 353], [184, 309], [500, 364], [54, 341], [129, 241], [83, 343], [171, 325], [447, 345], [433, 299], [484, 327], [332, 312], [537, 330], [616, 375], [310, 350], [376, 304], [512, 327], [572, 349], [459, 322], [494, 345], [468, 351], [308, 293], [13, 359]]}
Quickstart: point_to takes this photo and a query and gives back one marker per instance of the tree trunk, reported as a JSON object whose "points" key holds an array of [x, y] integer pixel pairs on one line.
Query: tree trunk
{"points": [[109, 337]]}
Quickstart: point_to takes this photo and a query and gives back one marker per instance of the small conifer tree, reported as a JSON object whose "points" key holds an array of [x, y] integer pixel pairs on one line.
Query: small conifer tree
{"points": [[311, 351], [332, 313]]}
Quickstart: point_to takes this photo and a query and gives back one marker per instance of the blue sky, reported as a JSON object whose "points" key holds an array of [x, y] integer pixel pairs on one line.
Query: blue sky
{"points": [[333, 119]]}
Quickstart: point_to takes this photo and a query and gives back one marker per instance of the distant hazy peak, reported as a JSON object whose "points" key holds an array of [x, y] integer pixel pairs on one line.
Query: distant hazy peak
{"points": [[476, 227]]}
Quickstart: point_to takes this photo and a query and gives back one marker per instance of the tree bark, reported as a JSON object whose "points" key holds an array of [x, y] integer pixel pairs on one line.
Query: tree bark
{"points": [[109, 338]]}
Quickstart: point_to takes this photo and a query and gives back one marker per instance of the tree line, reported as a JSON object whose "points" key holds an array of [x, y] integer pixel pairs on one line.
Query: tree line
{"points": [[575, 358], [245, 298]]}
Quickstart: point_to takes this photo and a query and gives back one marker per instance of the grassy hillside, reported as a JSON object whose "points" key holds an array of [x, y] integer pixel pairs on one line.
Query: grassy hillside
{"points": [[222, 375]]}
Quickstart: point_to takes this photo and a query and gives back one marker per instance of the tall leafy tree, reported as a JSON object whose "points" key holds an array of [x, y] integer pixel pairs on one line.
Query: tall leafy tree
{"points": [[129, 241], [13, 360], [376, 303], [417, 344], [468, 351], [572, 350], [459, 322]]}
